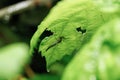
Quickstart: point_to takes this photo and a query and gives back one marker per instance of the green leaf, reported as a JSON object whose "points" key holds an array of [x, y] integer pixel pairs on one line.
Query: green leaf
{"points": [[45, 77], [66, 29], [99, 59], [12, 60]]}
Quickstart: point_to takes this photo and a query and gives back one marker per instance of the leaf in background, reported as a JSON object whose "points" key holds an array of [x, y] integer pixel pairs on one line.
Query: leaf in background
{"points": [[66, 29], [110, 8], [45, 77], [12, 60], [108, 5], [99, 59]]}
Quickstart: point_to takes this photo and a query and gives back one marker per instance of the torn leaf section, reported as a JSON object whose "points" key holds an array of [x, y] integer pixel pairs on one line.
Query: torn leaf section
{"points": [[46, 33], [63, 42], [63, 22]]}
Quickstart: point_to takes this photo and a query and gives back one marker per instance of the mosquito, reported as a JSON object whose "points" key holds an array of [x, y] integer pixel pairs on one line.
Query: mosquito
{"points": [[59, 40], [55, 43]]}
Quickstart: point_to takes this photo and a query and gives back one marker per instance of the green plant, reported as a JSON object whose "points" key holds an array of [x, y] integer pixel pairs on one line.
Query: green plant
{"points": [[79, 40], [68, 28], [13, 59], [63, 34]]}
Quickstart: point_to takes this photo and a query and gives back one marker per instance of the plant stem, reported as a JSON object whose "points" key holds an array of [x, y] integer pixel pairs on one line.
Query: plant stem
{"points": [[21, 6]]}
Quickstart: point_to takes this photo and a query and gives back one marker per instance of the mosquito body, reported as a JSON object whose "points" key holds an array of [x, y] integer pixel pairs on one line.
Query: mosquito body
{"points": [[55, 43]]}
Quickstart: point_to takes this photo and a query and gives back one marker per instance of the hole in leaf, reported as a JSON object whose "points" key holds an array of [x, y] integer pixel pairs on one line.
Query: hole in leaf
{"points": [[38, 62], [46, 33], [79, 29]]}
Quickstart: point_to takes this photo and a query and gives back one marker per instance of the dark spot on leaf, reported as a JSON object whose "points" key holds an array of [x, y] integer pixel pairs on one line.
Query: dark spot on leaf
{"points": [[79, 29]]}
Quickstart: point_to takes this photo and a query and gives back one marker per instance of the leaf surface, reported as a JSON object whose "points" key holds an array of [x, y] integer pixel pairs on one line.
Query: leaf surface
{"points": [[99, 59]]}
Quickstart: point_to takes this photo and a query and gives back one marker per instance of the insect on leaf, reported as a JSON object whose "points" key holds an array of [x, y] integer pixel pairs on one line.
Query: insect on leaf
{"points": [[71, 25]]}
